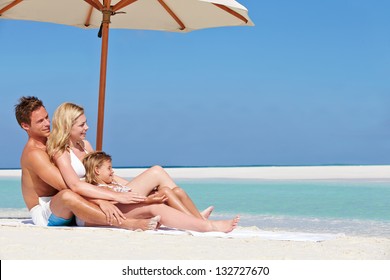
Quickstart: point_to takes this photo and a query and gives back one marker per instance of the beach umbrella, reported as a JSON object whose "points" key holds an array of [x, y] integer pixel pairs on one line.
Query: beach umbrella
{"points": [[163, 15]]}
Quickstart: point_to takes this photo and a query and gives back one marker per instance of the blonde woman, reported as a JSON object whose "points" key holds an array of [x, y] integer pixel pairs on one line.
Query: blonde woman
{"points": [[67, 147]]}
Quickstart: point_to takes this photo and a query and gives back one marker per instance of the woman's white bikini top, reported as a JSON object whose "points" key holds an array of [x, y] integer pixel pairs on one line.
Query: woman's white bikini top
{"points": [[77, 165]]}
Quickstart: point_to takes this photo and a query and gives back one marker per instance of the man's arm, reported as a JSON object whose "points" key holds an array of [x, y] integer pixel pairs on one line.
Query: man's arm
{"points": [[30, 196], [40, 163]]}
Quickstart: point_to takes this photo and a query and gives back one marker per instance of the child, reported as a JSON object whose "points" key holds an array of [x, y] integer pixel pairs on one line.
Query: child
{"points": [[98, 166], [99, 172]]}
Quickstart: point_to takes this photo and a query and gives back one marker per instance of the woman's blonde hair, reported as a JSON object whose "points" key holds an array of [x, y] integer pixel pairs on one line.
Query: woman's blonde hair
{"points": [[63, 119], [91, 162]]}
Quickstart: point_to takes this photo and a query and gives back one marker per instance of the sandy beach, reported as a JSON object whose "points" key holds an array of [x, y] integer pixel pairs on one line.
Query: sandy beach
{"points": [[20, 241], [23, 242]]}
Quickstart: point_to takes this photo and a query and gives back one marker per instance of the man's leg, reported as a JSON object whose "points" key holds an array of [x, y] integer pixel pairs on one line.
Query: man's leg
{"points": [[66, 203]]}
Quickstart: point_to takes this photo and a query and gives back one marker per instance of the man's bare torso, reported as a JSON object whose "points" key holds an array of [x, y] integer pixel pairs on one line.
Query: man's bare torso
{"points": [[32, 184]]}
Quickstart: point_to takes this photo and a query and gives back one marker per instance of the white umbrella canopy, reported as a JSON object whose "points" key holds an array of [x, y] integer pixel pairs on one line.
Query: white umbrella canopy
{"points": [[163, 15], [141, 14]]}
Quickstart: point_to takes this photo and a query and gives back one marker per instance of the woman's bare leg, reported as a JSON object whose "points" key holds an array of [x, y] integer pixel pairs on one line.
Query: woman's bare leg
{"points": [[153, 177], [190, 205], [156, 176], [134, 224], [173, 218], [178, 199], [175, 202], [207, 212]]}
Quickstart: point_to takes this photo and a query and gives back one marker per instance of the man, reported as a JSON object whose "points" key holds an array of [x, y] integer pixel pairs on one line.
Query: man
{"points": [[45, 193]]}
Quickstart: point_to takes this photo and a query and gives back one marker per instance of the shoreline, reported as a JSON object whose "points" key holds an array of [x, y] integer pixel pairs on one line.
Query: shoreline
{"points": [[334, 172]]}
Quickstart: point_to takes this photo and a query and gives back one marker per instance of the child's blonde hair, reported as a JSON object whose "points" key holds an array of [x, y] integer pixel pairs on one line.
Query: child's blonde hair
{"points": [[91, 162]]}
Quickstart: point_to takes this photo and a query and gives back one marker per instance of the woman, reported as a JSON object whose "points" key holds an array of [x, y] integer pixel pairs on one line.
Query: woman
{"points": [[67, 147]]}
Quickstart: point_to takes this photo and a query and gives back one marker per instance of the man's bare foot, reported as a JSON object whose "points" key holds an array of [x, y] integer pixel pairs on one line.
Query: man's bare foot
{"points": [[225, 225], [207, 212], [142, 224]]}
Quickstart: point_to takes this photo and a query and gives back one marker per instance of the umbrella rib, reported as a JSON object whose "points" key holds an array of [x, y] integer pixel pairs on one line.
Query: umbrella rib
{"points": [[96, 4], [122, 4], [172, 14], [230, 11], [9, 6], [88, 19]]}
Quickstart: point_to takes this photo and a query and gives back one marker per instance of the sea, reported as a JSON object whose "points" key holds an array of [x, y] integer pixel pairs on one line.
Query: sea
{"points": [[349, 207]]}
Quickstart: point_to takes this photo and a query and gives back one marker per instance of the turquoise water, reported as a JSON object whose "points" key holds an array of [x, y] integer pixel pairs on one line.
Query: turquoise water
{"points": [[351, 207], [10, 193], [320, 199]]}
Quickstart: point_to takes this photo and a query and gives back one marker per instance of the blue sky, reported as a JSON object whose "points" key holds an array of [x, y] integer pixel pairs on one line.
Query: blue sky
{"points": [[308, 85]]}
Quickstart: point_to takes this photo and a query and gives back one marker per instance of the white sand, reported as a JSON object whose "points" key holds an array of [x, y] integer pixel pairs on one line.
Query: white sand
{"points": [[29, 242], [358, 172]]}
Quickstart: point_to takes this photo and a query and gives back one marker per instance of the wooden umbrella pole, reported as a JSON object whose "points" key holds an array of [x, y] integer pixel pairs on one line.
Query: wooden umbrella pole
{"points": [[103, 74]]}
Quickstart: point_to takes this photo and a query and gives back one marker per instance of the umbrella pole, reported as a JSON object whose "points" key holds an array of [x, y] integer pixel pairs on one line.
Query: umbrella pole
{"points": [[102, 84]]}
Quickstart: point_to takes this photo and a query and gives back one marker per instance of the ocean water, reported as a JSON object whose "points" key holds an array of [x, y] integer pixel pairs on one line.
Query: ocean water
{"points": [[350, 207]]}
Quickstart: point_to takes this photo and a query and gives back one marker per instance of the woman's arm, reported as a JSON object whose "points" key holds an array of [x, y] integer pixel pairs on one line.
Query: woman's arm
{"points": [[88, 190]]}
